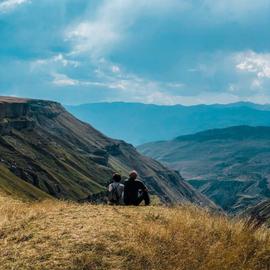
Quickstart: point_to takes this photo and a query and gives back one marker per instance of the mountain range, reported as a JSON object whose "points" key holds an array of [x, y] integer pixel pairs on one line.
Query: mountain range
{"points": [[45, 152], [230, 165], [139, 123]]}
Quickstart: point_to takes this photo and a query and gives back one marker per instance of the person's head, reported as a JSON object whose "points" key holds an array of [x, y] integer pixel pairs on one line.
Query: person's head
{"points": [[133, 175], [116, 177]]}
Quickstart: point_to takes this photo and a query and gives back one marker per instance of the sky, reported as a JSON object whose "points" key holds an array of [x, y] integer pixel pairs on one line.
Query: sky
{"points": [[150, 51]]}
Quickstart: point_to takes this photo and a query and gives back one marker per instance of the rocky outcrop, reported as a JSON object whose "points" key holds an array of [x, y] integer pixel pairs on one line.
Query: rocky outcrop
{"points": [[13, 108], [21, 114], [7, 125]]}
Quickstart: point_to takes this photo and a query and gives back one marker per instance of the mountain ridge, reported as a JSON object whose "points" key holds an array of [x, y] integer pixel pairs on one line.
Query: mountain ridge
{"points": [[130, 121], [45, 146], [234, 132]]}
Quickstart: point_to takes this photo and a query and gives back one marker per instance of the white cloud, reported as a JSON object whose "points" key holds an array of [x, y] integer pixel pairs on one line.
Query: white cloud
{"points": [[7, 5], [57, 59], [126, 86], [63, 80], [64, 61], [112, 21], [93, 37], [115, 69], [115, 77], [257, 63]]}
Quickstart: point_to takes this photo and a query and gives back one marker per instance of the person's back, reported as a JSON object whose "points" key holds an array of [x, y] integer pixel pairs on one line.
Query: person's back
{"points": [[135, 191], [116, 190]]}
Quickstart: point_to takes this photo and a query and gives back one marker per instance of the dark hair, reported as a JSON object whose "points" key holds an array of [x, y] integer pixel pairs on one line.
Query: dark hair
{"points": [[116, 177]]}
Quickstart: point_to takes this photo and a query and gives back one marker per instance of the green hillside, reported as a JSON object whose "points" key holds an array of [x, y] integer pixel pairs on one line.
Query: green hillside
{"points": [[13, 186]]}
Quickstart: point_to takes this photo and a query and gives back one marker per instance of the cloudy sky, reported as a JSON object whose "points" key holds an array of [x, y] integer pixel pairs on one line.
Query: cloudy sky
{"points": [[151, 51]]}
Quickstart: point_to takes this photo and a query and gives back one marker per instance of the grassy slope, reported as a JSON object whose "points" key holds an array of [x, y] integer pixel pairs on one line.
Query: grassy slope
{"points": [[58, 235], [16, 187]]}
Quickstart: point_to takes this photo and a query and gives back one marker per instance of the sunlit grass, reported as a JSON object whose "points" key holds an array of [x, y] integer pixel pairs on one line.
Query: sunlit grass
{"points": [[60, 235]]}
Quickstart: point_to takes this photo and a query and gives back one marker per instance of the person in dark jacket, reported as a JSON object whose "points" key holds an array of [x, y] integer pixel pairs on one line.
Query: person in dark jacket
{"points": [[135, 191]]}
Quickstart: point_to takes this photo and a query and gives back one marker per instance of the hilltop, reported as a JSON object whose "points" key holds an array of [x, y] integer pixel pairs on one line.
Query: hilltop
{"points": [[230, 166], [46, 152], [59, 235], [139, 123]]}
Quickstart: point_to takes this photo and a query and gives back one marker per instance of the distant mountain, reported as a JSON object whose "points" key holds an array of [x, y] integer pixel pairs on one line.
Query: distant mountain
{"points": [[230, 166], [139, 123], [46, 152]]}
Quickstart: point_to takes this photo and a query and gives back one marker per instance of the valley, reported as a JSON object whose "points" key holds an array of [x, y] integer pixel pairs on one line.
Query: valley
{"points": [[230, 166]]}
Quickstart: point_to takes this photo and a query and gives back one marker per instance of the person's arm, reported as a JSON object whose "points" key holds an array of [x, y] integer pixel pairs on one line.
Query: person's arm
{"points": [[145, 194], [143, 187], [110, 187]]}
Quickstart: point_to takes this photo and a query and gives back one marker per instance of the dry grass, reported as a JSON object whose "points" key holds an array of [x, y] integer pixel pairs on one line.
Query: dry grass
{"points": [[59, 235]]}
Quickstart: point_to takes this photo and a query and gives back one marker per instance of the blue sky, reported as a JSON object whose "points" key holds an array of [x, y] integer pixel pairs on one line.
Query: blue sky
{"points": [[151, 51]]}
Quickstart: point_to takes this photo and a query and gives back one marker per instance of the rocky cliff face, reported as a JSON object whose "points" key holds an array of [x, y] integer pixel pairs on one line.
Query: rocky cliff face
{"points": [[22, 114], [44, 145]]}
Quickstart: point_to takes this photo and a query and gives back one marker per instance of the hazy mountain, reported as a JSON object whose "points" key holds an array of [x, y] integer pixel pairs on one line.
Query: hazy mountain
{"points": [[230, 166], [140, 123], [45, 150]]}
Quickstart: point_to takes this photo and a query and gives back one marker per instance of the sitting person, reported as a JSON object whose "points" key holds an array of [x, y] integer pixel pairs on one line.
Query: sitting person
{"points": [[135, 191], [116, 189]]}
